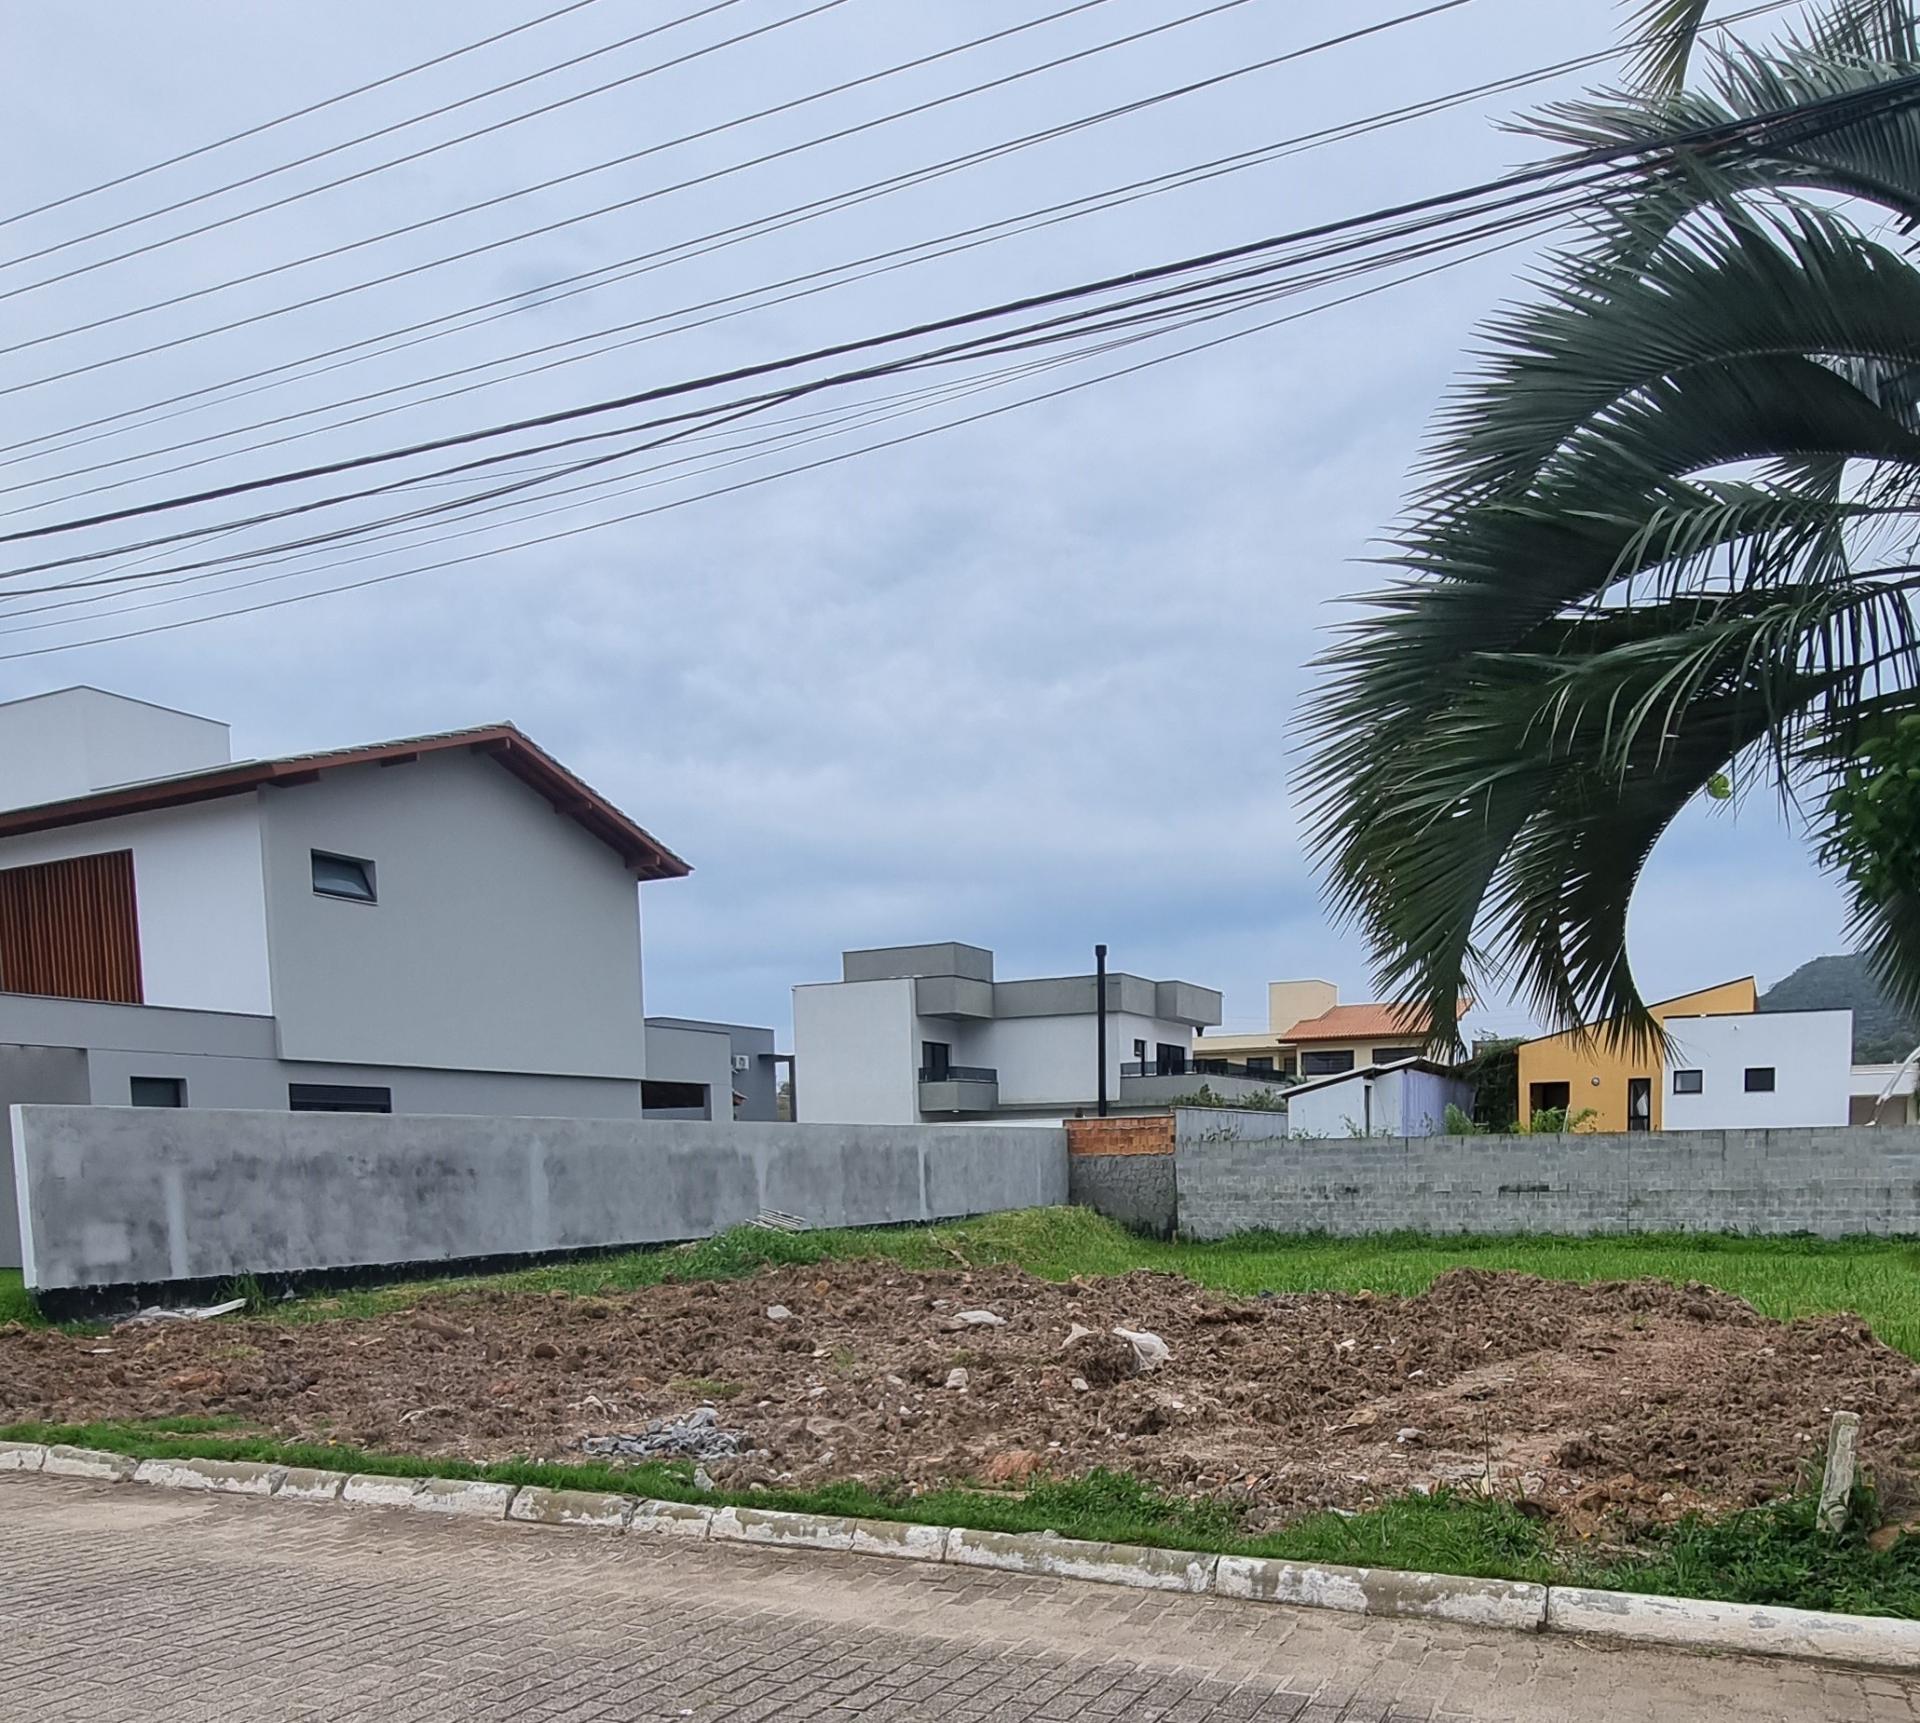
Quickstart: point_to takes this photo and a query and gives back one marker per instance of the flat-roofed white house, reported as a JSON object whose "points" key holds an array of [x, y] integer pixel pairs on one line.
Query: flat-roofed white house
{"points": [[440, 924], [917, 1033]]}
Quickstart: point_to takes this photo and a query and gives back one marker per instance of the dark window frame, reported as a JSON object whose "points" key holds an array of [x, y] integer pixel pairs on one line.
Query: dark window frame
{"points": [[1394, 1055], [363, 864], [177, 1086], [1697, 1087], [1769, 1087], [1318, 1063], [338, 1098], [665, 1095]]}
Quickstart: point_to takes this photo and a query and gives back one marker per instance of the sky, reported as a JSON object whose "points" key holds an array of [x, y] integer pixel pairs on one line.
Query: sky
{"points": [[1032, 682]]}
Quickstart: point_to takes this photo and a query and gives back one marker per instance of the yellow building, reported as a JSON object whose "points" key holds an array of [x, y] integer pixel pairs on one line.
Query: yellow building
{"points": [[1620, 1089]]}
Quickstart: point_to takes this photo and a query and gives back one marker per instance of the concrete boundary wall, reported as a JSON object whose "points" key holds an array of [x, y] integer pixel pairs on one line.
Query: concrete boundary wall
{"points": [[118, 1196], [1231, 1177]]}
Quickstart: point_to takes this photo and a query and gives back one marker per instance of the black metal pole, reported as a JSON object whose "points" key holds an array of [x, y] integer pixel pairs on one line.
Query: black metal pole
{"points": [[1100, 1013]]}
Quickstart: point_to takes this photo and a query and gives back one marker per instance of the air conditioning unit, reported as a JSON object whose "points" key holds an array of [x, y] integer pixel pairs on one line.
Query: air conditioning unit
{"points": [[742, 1063]]}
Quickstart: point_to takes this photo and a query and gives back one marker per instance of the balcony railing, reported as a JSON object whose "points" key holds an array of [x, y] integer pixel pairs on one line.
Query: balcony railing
{"points": [[1201, 1068], [958, 1074]]}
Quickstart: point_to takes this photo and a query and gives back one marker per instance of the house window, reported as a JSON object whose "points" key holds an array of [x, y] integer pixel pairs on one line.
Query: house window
{"points": [[1691, 1082], [663, 1097], [1327, 1063], [1261, 1064], [1169, 1060], [936, 1060], [1548, 1097], [338, 1098], [158, 1091], [1759, 1079], [1140, 1054], [1393, 1055], [343, 876]]}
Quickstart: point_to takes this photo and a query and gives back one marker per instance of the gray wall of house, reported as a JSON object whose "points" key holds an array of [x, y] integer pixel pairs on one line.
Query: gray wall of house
{"points": [[505, 938], [119, 1196], [699, 1055], [1138, 1191], [1832, 1182], [29, 1074], [758, 1085], [72, 1050]]}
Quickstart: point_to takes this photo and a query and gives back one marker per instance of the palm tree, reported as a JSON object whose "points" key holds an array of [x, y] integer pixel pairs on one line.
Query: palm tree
{"points": [[1665, 544]]}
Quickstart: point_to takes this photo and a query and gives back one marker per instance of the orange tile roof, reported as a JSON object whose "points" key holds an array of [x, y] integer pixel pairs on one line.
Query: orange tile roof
{"points": [[1361, 1023]]}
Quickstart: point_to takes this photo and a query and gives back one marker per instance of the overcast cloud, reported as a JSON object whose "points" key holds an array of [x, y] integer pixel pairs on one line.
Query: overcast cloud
{"points": [[1031, 683]]}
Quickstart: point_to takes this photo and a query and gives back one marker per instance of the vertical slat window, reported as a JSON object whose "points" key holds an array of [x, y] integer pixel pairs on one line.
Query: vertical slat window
{"points": [[68, 929]]}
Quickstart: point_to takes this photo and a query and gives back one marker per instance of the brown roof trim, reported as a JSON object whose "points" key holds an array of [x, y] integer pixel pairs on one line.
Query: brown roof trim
{"points": [[503, 743]]}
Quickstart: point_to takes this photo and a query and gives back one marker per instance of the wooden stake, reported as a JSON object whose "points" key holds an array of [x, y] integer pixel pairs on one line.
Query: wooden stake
{"points": [[1836, 1488]]}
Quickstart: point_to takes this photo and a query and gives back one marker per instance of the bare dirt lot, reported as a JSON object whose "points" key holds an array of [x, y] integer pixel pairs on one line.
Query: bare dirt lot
{"points": [[1583, 1401]]}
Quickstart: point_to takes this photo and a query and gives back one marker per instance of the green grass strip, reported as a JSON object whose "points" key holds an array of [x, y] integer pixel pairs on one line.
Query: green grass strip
{"points": [[1770, 1555]]}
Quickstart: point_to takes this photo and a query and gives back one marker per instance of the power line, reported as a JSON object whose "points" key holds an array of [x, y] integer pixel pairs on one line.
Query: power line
{"points": [[1188, 309], [1216, 7], [384, 131], [744, 484], [1747, 131], [631, 156], [297, 114], [445, 323]]}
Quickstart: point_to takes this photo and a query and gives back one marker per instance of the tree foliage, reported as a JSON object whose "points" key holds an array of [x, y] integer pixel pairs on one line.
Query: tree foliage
{"points": [[1664, 545]]}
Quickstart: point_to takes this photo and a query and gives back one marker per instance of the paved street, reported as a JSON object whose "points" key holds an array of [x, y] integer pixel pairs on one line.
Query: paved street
{"points": [[120, 1604]]}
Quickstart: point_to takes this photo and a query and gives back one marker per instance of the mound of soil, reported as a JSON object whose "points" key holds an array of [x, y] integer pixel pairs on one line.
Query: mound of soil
{"points": [[1583, 1401]]}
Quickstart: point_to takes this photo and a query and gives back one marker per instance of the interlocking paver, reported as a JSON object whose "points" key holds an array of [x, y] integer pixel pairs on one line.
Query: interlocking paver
{"points": [[120, 1605]]}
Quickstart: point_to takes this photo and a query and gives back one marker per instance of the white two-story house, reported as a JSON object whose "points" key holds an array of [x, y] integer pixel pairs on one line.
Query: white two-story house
{"points": [[919, 1033], [443, 924]]}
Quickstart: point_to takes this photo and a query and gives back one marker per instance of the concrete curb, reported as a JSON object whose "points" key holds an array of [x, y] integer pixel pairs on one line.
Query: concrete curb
{"points": [[1762, 1630], [1686, 1623]]}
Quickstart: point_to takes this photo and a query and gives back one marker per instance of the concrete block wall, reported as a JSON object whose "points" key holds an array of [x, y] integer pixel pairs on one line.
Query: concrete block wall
{"points": [[1123, 1169], [124, 1196], [1831, 1182]]}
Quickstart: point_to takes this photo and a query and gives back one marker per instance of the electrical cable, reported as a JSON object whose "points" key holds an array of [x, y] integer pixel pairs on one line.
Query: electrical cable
{"points": [[511, 304], [787, 151], [297, 114], [1758, 127], [681, 502], [386, 131]]}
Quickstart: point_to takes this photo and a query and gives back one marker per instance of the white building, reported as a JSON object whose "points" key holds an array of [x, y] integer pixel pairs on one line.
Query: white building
{"points": [[924, 1032], [443, 924], [1408, 1098], [1759, 1070]]}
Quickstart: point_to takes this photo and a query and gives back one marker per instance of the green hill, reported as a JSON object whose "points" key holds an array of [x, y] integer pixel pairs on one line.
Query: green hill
{"points": [[1882, 1033]]}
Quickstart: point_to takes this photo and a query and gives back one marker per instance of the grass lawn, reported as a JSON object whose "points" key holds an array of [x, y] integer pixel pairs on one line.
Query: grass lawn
{"points": [[1781, 1277], [15, 1305]]}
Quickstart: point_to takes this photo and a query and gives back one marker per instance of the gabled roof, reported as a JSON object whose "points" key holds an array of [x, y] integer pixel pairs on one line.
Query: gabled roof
{"points": [[502, 743], [1362, 1023], [1432, 1065]]}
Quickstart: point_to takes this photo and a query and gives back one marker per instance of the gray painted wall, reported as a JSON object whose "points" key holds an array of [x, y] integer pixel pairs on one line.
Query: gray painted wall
{"points": [[114, 1196], [71, 1050], [758, 1085], [1831, 1182], [54, 1074], [506, 937]]}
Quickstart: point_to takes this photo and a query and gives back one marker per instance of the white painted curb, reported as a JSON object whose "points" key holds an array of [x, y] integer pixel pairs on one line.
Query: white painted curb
{"points": [[1762, 1630], [1690, 1624], [1385, 1591], [1069, 1558]]}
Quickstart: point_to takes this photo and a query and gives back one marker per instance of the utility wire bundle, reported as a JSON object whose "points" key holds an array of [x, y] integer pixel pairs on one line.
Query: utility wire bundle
{"points": [[447, 501]]}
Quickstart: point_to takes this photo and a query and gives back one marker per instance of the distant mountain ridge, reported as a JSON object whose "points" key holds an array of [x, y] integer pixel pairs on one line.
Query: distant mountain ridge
{"points": [[1882, 1033]]}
